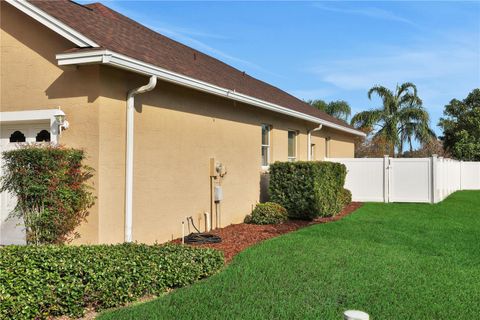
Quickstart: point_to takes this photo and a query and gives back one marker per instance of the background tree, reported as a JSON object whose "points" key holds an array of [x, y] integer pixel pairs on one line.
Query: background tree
{"points": [[400, 120], [461, 127], [427, 149], [370, 147], [339, 109]]}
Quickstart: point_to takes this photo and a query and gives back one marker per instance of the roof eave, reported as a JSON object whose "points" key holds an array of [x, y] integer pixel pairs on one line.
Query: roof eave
{"points": [[118, 60], [54, 24]]}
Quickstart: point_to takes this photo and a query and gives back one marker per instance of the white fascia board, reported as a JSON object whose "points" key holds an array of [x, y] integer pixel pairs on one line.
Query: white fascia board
{"points": [[30, 115], [118, 60], [53, 23], [10, 117]]}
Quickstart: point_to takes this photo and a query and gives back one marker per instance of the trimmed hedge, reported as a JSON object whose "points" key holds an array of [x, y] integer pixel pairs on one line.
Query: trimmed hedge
{"points": [[345, 197], [43, 281], [308, 189], [267, 213]]}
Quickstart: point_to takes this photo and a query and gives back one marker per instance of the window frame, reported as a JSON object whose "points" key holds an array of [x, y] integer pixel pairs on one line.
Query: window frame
{"points": [[268, 127], [295, 135]]}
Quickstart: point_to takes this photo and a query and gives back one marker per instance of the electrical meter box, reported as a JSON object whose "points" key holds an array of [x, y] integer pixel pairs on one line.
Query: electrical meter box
{"points": [[217, 169], [218, 194]]}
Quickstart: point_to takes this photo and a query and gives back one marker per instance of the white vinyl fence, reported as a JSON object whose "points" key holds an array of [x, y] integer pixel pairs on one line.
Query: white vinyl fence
{"points": [[408, 179]]}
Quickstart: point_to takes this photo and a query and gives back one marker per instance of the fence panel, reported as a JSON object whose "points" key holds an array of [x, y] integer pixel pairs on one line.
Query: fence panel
{"points": [[410, 180], [470, 175], [365, 178]]}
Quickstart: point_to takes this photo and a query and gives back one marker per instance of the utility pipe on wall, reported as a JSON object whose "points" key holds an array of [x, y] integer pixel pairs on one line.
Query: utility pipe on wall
{"points": [[129, 154], [309, 141]]}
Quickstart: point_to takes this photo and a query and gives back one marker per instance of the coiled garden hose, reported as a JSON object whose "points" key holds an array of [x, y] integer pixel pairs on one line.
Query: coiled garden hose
{"points": [[200, 237]]}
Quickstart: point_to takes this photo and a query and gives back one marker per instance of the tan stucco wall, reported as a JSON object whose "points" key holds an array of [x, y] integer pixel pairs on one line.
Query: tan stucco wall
{"points": [[334, 144], [30, 80], [177, 131]]}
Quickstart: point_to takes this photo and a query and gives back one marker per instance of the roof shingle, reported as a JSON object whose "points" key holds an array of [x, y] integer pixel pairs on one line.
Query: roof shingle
{"points": [[118, 33]]}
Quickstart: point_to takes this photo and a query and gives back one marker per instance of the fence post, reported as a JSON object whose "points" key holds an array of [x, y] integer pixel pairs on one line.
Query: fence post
{"points": [[434, 198], [442, 175], [461, 174], [386, 179]]}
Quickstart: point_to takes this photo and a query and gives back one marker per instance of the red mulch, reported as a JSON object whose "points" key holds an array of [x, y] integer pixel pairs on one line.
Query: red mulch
{"points": [[238, 237]]}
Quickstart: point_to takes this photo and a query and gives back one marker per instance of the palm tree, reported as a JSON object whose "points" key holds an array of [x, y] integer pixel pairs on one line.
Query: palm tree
{"points": [[400, 120], [338, 109]]}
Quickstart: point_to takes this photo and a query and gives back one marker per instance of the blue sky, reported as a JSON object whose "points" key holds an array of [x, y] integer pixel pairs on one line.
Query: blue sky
{"points": [[332, 50]]}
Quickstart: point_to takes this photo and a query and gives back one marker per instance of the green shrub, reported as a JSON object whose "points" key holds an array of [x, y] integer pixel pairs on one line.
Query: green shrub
{"points": [[307, 189], [267, 213], [345, 197], [49, 183], [43, 281]]}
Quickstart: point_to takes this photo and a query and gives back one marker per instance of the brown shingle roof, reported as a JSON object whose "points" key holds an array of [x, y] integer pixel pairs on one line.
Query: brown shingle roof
{"points": [[114, 31]]}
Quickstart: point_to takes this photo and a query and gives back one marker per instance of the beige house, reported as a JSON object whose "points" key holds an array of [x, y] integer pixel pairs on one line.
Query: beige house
{"points": [[160, 151]]}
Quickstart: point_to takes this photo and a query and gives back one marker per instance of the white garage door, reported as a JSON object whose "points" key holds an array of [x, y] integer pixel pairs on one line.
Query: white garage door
{"points": [[12, 136]]}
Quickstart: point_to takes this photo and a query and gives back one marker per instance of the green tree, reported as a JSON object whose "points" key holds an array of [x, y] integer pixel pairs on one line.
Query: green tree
{"points": [[339, 109], [401, 118], [461, 127]]}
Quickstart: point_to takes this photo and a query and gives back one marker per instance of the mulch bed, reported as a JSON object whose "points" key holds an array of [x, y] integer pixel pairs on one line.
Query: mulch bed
{"points": [[238, 237]]}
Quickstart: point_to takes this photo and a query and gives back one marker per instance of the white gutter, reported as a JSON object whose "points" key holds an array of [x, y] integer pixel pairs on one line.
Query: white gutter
{"points": [[129, 154], [309, 141], [118, 60], [52, 23]]}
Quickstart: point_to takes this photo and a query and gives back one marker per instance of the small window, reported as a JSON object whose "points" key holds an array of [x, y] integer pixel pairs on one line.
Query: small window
{"points": [[327, 147], [43, 136], [17, 136], [292, 145], [265, 145]]}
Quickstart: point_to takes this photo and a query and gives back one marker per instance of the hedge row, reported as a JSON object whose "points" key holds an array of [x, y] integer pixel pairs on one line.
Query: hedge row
{"points": [[308, 189], [43, 281]]}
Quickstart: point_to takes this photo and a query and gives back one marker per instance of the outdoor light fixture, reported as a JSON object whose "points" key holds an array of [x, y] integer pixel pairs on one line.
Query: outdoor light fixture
{"points": [[60, 119]]}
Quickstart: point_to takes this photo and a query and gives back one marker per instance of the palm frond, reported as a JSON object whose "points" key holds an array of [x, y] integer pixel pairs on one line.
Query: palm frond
{"points": [[409, 100], [414, 113], [404, 87], [366, 119], [382, 92], [318, 103], [339, 109]]}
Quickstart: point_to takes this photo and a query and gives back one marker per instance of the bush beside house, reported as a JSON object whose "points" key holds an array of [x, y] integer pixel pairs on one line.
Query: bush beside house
{"points": [[43, 281], [50, 185], [308, 189], [267, 213]]}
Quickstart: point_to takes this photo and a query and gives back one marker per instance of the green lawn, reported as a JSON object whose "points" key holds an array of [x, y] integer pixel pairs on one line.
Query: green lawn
{"points": [[394, 261]]}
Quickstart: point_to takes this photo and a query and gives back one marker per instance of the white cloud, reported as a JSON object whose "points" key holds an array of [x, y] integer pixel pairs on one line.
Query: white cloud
{"points": [[371, 12], [400, 65], [318, 93], [442, 68]]}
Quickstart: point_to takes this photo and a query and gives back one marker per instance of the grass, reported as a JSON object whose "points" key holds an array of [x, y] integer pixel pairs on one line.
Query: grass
{"points": [[394, 261]]}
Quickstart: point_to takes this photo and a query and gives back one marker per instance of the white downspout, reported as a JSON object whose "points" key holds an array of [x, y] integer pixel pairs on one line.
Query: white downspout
{"points": [[309, 141], [129, 154]]}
